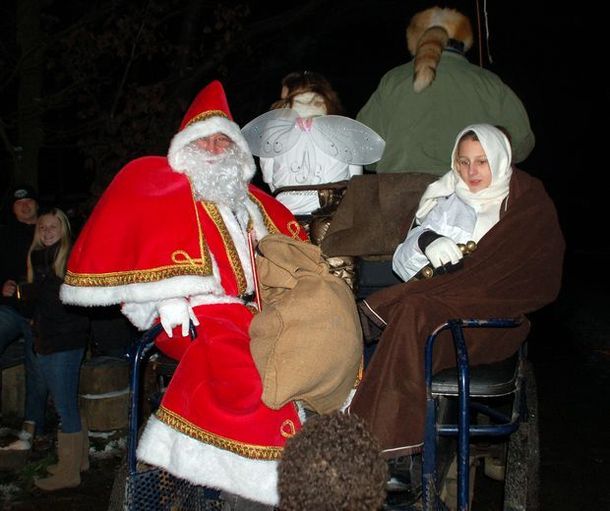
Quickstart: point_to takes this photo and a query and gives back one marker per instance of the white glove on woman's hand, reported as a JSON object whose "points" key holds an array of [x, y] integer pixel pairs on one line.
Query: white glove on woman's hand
{"points": [[443, 251], [174, 312]]}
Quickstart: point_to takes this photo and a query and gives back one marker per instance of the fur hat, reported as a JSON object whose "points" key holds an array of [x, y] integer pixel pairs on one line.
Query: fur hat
{"points": [[208, 114], [333, 462], [428, 34]]}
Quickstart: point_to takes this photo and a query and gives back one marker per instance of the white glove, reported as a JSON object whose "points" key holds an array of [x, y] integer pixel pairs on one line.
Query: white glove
{"points": [[174, 312], [442, 251]]}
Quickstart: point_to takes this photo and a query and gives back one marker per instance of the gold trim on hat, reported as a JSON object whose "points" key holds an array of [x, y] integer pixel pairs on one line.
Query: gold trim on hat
{"points": [[180, 424], [206, 115]]}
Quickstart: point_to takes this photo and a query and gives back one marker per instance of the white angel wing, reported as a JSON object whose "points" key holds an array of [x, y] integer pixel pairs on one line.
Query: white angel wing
{"points": [[272, 133], [347, 140]]}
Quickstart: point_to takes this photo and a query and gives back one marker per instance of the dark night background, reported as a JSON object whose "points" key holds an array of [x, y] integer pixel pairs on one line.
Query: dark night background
{"points": [[115, 78]]}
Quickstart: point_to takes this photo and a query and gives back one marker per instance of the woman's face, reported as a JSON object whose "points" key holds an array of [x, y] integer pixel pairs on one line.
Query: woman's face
{"points": [[472, 165], [49, 230]]}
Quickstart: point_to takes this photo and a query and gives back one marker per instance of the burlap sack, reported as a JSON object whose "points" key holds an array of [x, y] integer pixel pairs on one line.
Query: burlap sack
{"points": [[307, 340]]}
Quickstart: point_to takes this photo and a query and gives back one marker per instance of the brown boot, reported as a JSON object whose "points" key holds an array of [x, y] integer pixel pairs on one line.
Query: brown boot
{"points": [[84, 461], [69, 452]]}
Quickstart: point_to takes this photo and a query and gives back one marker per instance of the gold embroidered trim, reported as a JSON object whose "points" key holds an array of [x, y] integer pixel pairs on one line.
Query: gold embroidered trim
{"points": [[288, 424], [183, 257], [271, 227], [360, 373], [294, 228], [240, 276], [134, 276], [206, 115], [203, 248], [247, 450]]}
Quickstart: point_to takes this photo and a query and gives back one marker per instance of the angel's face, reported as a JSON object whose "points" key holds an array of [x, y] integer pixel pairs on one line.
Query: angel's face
{"points": [[308, 104]]}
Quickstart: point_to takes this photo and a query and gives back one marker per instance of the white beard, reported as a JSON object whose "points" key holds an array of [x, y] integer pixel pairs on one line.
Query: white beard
{"points": [[217, 178]]}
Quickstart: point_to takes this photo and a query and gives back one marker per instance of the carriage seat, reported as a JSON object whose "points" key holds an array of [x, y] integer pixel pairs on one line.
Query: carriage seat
{"points": [[486, 380]]}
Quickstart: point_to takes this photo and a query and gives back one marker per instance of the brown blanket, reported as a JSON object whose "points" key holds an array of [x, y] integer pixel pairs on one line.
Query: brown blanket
{"points": [[375, 214], [516, 269]]}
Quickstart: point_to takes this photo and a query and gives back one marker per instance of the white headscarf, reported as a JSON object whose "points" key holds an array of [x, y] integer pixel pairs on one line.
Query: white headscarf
{"points": [[485, 202]]}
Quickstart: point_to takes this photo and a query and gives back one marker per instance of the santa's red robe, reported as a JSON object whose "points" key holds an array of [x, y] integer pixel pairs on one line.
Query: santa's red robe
{"points": [[148, 240]]}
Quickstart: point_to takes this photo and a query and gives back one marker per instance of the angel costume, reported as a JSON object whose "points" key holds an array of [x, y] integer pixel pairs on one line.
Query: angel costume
{"points": [[296, 150], [152, 240], [516, 269]]}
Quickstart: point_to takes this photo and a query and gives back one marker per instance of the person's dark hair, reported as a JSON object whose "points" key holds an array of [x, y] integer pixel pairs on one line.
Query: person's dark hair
{"points": [[332, 463], [470, 135], [309, 81]]}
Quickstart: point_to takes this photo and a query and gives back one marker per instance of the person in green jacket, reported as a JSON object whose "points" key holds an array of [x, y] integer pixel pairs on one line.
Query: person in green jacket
{"points": [[419, 106]]}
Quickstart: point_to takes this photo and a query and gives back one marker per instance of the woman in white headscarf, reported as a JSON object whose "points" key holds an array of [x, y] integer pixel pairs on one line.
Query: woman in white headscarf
{"points": [[515, 270], [461, 206]]}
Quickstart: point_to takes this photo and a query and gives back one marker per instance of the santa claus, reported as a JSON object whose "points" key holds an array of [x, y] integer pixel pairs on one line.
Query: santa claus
{"points": [[169, 241]]}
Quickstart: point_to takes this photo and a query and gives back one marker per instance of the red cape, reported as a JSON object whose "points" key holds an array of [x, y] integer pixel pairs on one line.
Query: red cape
{"points": [[147, 227]]}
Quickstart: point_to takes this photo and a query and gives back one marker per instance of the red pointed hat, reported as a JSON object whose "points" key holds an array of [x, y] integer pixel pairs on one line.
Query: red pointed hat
{"points": [[208, 114], [210, 101]]}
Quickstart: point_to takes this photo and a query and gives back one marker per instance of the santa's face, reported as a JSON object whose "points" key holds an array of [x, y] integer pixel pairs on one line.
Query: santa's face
{"points": [[215, 144], [215, 166]]}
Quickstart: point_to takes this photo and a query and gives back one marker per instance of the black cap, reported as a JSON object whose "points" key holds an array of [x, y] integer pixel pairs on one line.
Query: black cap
{"points": [[23, 192]]}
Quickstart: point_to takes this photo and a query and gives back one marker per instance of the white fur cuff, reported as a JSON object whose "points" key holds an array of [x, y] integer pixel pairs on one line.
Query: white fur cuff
{"points": [[206, 465]]}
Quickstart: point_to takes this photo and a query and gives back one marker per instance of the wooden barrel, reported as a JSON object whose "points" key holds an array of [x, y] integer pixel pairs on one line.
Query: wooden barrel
{"points": [[104, 393]]}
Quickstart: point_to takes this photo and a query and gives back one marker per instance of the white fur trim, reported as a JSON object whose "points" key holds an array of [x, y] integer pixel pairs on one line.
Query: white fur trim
{"points": [[205, 128], [239, 236], [142, 292], [141, 315], [198, 300], [147, 294], [257, 220], [206, 465]]}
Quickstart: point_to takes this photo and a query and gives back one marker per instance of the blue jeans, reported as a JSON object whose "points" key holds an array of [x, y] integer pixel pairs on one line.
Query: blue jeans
{"points": [[62, 373], [13, 326]]}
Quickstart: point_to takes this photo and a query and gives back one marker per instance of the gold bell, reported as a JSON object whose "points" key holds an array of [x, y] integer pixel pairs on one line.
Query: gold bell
{"points": [[427, 272], [468, 247]]}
